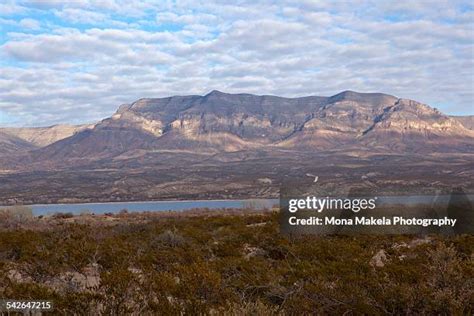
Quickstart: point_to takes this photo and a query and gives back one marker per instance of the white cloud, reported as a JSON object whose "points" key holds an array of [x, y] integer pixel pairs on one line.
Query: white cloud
{"points": [[10, 7], [135, 49], [30, 24], [74, 15]]}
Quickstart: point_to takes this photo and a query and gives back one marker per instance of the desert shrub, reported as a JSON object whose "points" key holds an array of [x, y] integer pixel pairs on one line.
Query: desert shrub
{"points": [[28, 291], [15, 216], [120, 292], [447, 280], [200, 288], [252, 308], [255, 204], [123, 211], [170, 238], [61, 215], [85, 212], [77, 303]]}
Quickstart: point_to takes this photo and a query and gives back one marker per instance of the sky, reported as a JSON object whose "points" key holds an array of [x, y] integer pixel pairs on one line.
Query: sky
{"points": [[77, 61]]}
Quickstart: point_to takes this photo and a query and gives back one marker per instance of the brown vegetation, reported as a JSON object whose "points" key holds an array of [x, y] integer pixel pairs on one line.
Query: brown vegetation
{"points": [[229, 263]]}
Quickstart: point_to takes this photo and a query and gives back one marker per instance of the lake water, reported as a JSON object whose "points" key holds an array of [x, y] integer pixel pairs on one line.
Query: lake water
{"points": [[115, 207], [157, 206]]}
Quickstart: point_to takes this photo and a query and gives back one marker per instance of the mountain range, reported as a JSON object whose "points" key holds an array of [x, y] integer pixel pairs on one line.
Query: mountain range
{"points": [[220, 122], [224, 129]]}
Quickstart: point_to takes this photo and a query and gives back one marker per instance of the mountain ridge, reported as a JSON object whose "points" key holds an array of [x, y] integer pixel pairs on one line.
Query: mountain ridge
{"points": [[224, 122]]}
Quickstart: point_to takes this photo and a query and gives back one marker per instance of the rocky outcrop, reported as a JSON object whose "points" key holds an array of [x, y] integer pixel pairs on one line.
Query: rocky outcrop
{"points": [[379, 259]]}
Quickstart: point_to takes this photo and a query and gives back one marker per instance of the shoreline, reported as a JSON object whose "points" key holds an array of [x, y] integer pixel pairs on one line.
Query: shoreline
{"points": [[469, 195], [145, 202]]}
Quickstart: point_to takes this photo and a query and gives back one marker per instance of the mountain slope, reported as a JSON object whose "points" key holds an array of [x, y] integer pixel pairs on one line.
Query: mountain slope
{"points": [[220, 122], [410, 126], [10, 144], [43, 136], [467, 121], [342, 119]]}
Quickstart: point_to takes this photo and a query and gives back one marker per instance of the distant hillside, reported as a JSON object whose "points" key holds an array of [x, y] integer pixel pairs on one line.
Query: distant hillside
{"points": [[11, 144], [467, 121], [43, 136]]}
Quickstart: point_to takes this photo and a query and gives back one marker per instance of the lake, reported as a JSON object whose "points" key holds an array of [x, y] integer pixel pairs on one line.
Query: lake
{"points": [[157, 206]]}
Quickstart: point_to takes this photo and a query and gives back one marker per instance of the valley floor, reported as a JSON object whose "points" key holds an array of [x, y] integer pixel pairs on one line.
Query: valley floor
{"points": [[238, 175]]}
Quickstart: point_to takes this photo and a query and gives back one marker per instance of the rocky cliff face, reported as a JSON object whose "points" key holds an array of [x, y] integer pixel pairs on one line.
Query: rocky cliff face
{"points": [[221, 122]]}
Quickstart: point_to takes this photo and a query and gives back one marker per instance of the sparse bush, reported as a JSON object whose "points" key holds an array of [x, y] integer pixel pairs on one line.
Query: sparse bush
{"points": [[170, 238], [15, 216], [447, 280], [85, 212], [255, 204], [252, 308], [61, 215]]}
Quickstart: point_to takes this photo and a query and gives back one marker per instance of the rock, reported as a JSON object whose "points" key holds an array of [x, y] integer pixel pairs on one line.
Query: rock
{"points": [[257, 224], [265, 180], [419, 241], [250, 252], [379, 259], [87, 279], [400, 245], [412, 244], [18, 277]]}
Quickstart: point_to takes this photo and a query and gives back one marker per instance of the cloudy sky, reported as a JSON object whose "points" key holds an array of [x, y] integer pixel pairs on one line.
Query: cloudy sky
{"points": [[78, 60]]}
